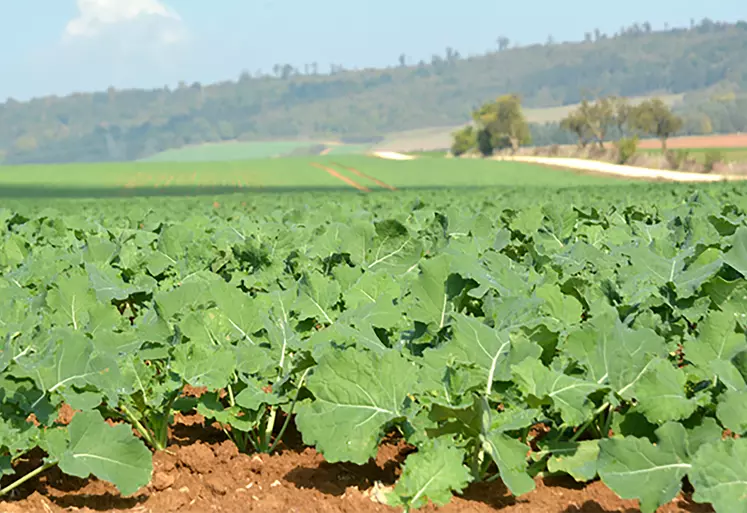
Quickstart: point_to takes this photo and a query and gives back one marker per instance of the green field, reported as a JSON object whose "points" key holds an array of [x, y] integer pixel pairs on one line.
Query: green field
{"points": [[169, 178], [730, 154], [236, 150], [454, 321]]}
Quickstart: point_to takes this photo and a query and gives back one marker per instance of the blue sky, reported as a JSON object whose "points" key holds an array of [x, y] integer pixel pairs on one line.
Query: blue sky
{"points": [[61, 46]]}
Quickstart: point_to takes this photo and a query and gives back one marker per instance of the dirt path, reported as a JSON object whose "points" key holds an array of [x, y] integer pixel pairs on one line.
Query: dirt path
{"points": [[393, 155], [345, 179], [606, 168], [367, 177]]}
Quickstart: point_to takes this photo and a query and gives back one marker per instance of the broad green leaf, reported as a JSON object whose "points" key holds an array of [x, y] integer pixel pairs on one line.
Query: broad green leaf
{"points": [[737, 255], [719, 475], [201, 365], [565, 309], [431, 474], [70, 300], [356, 394], [715, 347], [613, 353], [731, 411], [510, 455], [567, 393], [113, 454], [490, 349], [661, 395], [578, 459], [432, 306], [317, 296], [634, 468]]}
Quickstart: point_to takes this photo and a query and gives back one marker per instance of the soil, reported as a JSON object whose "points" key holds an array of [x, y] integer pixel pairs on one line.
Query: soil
{"points": [[345, 179], [707, 141], [203, 472]]}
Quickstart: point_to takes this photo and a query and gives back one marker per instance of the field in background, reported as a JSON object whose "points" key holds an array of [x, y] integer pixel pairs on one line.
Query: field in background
{"points": [[423, 139], [345, 172], [251, 150]]}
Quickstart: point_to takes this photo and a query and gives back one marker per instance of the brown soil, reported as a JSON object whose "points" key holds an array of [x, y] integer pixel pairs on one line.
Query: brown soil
{"points": [[202, 472], [707, 141], [368, 177], [345, 179]]}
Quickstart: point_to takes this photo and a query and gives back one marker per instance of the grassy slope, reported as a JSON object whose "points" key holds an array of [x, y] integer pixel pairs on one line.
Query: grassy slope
{"points": [[286, 174], [233, 150]]}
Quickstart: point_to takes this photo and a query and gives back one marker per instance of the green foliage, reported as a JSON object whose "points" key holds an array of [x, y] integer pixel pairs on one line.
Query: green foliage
{"points": [[503, 124], [711, 158], [464, 140], [626, 148], [677, 158], [614, 317], [655, 119]]}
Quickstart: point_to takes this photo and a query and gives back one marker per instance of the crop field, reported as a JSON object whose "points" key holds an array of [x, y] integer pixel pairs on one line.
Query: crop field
{"points": [[375, 352], [236, 150], [351, 172], [699, 154]]}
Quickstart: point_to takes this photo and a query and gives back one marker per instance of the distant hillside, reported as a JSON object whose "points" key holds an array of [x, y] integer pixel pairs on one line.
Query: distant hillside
{"points": [[357, 106]]}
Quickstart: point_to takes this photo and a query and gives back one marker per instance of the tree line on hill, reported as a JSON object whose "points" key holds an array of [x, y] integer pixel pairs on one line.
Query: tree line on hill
{"points": [[501, 124], [362, 105]]}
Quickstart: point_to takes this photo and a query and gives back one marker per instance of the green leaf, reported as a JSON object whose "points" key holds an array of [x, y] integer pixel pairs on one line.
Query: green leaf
{"points": [[731, 411], [719, 475], [578, 459], [113, 454], [568, 394], [510, 455], [70, 300], [317, 296], [634, 468], [204, 366], [491, 350], [737, 255], [661, 394], [613, 353], [356, 394], [717, 344], [432, 474], [432, 306]]}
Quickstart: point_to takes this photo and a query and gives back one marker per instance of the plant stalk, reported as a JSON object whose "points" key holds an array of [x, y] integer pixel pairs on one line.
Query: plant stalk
{"points": [[15, 484], [290, 412], [139, 426], [588, 423]]}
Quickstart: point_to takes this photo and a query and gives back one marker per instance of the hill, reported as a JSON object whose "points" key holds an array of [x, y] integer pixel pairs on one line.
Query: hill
{"points": [[358, 106]]}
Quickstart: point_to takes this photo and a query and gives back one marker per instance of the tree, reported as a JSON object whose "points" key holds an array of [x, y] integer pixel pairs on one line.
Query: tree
{"points": [[503, 43], [402, 60], [464, 140], [574, 123], [621, 112], [598, 116], [655, 118], [504, 122]]}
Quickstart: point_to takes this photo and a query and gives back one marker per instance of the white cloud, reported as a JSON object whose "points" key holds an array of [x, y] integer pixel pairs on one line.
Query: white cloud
{"points": [[98, 16]]}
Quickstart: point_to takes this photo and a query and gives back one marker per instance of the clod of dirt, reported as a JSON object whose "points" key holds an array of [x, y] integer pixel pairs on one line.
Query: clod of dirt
{"points": [[197, 457]]}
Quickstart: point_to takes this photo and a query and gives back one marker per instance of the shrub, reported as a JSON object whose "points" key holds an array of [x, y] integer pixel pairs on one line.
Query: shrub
{"points": [[464, 140], [626, 148], [677, 158], [711, 158]]}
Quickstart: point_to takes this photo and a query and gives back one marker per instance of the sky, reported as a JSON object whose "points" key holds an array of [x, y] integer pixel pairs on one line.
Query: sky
{"points": [[64, 46]]}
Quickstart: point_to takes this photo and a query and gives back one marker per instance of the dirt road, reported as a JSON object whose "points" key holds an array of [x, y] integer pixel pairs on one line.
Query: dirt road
{"points": [[595, 166]]}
